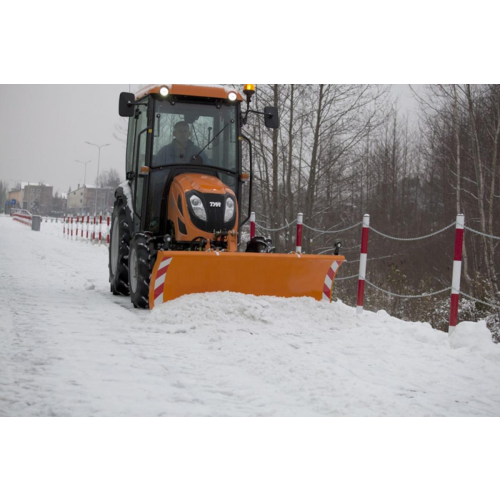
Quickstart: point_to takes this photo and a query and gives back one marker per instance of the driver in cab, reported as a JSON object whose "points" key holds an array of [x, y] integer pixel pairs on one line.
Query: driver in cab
{"points": [[182, 149]]}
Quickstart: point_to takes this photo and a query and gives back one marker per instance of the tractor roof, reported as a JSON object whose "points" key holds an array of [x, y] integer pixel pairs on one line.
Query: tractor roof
{"points": [[215, 91]]}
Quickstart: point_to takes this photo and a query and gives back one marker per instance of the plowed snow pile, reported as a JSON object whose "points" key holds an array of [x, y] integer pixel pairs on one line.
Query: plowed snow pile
{"points": [[68, 347]]}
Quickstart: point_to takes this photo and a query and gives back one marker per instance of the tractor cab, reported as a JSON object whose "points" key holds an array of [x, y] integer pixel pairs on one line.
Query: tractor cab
{"points": [[174, 130]]}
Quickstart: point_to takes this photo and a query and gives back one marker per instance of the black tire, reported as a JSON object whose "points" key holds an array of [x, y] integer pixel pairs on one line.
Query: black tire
{"points": [[119, 248], [141, 261]]}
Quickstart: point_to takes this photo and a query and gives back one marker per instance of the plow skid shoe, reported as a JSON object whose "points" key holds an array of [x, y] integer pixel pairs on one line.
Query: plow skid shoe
{"points": [[282, 275]]}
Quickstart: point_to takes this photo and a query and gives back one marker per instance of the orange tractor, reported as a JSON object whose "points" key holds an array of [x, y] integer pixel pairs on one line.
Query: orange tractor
{"points": [[176, 225]]}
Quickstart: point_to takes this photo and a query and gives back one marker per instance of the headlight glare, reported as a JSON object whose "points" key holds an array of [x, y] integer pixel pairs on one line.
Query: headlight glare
{"points": [[198, 208], [229, 211]]}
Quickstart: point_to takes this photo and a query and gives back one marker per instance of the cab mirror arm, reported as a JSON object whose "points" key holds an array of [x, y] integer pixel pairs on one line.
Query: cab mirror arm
{"points": [[271, 117]]}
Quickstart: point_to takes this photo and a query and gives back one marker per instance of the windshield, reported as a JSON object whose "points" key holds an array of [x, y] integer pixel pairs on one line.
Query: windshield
{"points": [[205, 131]]}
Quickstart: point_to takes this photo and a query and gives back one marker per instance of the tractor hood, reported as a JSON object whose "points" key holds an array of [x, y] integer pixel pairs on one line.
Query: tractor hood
{"points": [[202, 183]]}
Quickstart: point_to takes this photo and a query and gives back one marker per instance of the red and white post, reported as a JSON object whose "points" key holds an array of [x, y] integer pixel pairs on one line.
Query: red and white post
{"points": [[100, 229], [362, 263], [252, 225], [457, 271], [107, 237], [298, 239]]}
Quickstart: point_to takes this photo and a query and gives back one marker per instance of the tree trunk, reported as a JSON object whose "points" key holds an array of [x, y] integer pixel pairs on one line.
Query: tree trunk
{"points": [[311, 185], [490, 272]]}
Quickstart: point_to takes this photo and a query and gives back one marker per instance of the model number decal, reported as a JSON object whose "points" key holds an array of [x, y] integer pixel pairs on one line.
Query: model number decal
{"points": [[216, 204]]}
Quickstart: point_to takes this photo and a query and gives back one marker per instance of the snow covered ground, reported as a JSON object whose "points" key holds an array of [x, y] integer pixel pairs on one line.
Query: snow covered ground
{"points": [[68, 347]]}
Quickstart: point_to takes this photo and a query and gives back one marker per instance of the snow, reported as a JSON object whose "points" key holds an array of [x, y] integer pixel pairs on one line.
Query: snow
{"points": [[68, 347], [128, 195]]}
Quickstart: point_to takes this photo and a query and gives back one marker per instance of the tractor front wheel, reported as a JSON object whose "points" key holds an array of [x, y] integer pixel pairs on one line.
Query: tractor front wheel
{"points": [[141, 261], [119, 246]]}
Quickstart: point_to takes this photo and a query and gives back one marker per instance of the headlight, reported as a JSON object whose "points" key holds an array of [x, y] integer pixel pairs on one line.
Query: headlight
{"points": [[164, 91], [229, 212], [198, 208], [232, 96]]}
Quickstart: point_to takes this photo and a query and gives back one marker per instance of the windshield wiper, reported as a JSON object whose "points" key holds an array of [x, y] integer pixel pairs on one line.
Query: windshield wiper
{"points": [[196, 156]]}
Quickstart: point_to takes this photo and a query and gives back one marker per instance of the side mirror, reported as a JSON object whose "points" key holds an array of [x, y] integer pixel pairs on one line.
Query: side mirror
{"points": [[126, 104], [271, 117]]}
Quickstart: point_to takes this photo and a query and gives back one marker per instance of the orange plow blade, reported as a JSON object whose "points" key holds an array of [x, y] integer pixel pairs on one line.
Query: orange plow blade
{"points": [[282, 275]]}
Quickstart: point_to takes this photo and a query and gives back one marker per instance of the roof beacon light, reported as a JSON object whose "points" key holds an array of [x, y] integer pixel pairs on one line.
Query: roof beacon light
{"points": [[232, 96], [164, 91], [249, 89]]}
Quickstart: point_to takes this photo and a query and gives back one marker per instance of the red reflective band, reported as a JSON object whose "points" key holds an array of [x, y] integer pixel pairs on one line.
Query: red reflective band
{"points": [[299, 235], [364, 240], [158, 291], [459, 240], [330, 273], [361, 292], [454, 309], [327, 291], [252, 229], [161, 271]]}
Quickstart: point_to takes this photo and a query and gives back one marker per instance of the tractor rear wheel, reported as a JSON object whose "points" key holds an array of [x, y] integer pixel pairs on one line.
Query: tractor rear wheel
{"points": [[141, 261], [119, 247]]}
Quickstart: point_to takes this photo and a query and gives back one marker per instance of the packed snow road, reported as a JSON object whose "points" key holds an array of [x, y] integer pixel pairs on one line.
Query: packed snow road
{"points": [[70, 348]]}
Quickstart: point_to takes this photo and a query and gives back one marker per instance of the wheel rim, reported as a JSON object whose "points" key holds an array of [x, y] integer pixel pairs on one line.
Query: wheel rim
{"points": [[114, 246], [134, 270]]}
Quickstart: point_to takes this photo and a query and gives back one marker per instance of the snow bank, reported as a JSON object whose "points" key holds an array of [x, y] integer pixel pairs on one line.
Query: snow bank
{"points": [[475, 337]]}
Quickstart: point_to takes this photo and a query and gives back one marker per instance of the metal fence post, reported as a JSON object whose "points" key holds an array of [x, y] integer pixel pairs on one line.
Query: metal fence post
{"points": [[298, 240], [362, 263], [457, 269], [252, 225]]}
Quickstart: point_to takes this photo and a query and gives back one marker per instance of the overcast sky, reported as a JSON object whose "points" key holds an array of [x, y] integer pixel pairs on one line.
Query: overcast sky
{"points": [[43, 129]]}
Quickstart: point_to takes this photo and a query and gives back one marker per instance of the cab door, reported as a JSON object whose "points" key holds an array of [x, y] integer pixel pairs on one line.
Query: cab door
{"points": [[137, 157]]}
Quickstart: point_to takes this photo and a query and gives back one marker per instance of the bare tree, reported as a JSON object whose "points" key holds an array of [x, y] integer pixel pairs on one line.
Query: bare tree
{"points": [[109, 178]]}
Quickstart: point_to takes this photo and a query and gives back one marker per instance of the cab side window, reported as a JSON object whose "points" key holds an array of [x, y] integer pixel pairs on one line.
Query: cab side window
{"points": [[136, 152], [130, 143]]}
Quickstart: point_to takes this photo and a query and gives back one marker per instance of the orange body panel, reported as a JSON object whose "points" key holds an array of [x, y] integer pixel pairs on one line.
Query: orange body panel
{"points": [[194, 182], [191, 90], [283, 275]]}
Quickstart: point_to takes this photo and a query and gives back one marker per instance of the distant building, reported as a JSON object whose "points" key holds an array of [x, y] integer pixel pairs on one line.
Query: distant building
{"points": [[83, 200], [16, 195], [38, 198]]}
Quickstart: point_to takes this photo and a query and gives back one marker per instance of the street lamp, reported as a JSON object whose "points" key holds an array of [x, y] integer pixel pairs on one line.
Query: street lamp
{"points": [[98, 162], [84, 163]]}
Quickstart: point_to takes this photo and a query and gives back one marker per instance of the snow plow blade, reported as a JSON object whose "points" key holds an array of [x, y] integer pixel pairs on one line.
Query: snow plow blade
{"points": [[282, 275]]}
